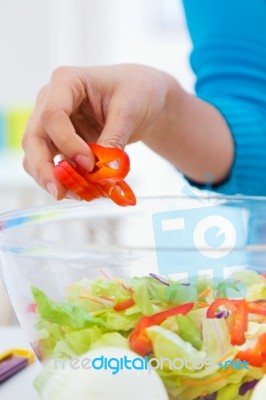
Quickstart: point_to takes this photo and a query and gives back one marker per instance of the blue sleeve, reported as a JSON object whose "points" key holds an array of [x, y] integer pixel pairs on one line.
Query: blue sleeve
{"points": [[229, 61]]}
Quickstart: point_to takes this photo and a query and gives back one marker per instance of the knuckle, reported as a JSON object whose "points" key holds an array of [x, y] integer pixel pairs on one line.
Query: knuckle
{"points": [[66, 145], [48, 114], [42, 93], [61, 72], [115, 141]]}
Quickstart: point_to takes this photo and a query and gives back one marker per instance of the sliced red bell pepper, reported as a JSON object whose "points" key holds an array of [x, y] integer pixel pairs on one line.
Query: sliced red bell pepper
{"points": [[256, 356], [213, 309], [257, 308], [68, 175], [103, 181], [124, 305], [238, 325], [104, 170], [237, 322], [138, 339], [120, 192]]}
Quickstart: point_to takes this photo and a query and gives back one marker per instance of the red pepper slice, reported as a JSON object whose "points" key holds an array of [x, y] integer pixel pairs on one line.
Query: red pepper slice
{"points": [[238, 325], [69, 176], [139, 341], [103, 181], [256, 356], [103, 172], [214, 307], [257, 308], [160, 317], [237, 322], [121, 193], [124, 305]]}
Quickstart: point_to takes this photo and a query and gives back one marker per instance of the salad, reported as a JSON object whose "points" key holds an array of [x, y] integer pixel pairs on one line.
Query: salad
{"points": [[157, 317]]}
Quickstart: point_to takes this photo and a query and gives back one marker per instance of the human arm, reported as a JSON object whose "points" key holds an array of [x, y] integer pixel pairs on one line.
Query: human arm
{"points": [[229, 62], [117, 105]]}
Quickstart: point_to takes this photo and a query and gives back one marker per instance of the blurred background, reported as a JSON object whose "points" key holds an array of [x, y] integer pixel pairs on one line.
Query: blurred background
{"points": [[37, 36]]}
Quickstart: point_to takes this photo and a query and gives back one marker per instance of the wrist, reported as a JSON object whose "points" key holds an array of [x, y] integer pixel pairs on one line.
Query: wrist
{"points": [[164, 131]]}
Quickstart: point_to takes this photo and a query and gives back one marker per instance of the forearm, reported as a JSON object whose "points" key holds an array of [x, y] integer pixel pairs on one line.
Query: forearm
{"points": [[193, 136]]}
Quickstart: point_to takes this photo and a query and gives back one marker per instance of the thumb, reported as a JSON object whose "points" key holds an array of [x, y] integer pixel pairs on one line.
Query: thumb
{"points": [[119, 127]]}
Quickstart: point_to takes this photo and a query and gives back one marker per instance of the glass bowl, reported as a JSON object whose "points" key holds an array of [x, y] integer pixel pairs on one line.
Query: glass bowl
{"points": [[82, 275]]}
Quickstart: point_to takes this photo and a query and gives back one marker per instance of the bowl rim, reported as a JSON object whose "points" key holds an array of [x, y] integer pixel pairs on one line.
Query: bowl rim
{"points": [[72, 204], [14, 218]]}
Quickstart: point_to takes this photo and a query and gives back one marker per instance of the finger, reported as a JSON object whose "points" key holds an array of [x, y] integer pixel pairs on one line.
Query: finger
{"points": [[62, 99], [40, 165], [120, 125], [39, 156]]}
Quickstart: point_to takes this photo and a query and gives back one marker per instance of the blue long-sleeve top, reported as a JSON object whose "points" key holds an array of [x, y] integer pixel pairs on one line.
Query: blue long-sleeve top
{"points": [[229, 61]]}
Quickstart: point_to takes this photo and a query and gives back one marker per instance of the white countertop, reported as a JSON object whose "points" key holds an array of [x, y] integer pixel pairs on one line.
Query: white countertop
{"points": [[19, 385]]}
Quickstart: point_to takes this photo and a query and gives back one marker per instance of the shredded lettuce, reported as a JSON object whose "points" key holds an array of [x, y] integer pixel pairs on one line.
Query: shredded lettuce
{"points": [[87, 320], [179, 293], [189, 331], [63, 314], [142, 298], [216, 339], [118, 321], [167, 344]]}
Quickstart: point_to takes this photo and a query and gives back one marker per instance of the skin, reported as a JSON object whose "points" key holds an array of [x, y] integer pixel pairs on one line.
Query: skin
{"points": [[117, 105]]}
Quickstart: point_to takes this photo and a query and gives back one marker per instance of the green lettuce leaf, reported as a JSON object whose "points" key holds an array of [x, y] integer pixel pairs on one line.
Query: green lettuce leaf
{"points": [[64, 314], [81, 341], [216, 340], [229, 392], [167, 344], [248, 277], [178, 293], [112, 339], [142, 297], [189, 330]]}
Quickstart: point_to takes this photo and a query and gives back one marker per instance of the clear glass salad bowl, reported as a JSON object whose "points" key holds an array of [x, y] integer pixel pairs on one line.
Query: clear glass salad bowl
{"points": [[178, 281]]}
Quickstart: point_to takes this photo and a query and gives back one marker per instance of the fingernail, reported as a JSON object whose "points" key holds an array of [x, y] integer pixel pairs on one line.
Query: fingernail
{"points": [[71, 195], [84, 162], [52, 189]]}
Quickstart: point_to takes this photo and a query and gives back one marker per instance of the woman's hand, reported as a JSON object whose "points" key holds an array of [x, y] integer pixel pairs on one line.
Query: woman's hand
{"points": [[121, 104], [112, 106]]}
